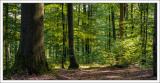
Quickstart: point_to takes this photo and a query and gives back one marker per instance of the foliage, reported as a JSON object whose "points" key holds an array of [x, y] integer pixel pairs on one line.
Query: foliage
{"points": [[103, 49]]}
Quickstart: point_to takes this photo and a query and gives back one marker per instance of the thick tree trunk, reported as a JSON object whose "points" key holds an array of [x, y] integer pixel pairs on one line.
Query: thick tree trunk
{"points": [[7, 45], [73, 62], [155, 42], [121, 19], [31, 54]]}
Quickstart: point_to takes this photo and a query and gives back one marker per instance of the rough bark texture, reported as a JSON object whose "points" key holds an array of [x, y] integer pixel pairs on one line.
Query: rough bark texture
{"points": [[7, 45], [73, 63], [155, 42], [121, 19], [31, 54]]}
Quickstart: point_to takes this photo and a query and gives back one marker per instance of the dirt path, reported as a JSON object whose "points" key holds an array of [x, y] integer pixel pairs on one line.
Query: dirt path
{"points": [[96, 73], [107, 73]]}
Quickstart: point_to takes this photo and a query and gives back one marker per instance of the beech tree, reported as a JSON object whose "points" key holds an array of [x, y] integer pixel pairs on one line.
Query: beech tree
{"points": [[121, 19], [31, 55], [73, 62]]}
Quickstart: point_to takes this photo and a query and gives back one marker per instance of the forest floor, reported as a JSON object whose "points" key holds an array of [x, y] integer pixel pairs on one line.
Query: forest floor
{"points": [[93, 73]]}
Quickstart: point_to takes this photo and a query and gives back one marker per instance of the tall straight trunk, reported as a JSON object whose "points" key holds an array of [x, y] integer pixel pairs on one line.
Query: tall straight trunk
{"points": [[132, 15], [64, 38], [126, 16], [155, 42], [7, 45], [82, 49], [141, 17], [143, 35], [113, 24], [73, 62], [83, 26], [87, 39], [109, 31], [121, 19], [31, 54], [78, 43], [146, 31]]}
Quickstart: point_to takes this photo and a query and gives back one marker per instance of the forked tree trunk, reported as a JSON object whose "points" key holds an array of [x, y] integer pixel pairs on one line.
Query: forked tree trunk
{"points": [[31, 54], [73, 62]]}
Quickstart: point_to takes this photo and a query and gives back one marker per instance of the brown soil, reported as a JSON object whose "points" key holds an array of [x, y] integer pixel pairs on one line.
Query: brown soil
{"points": [[94, 73]]}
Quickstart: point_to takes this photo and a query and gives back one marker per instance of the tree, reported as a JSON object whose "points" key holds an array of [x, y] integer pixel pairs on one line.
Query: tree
{"points": [[121, 19], [31, 54], [132, 15], [155, 42], [109, 41], [73, 62], [64, 38], [113, 24], [7, 49]]}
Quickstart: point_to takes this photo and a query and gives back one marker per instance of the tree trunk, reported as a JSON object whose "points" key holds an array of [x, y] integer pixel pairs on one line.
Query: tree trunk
{"points": [[82, 49], [155, 42], [64, 38], [126, 17], [109, 31], [73, 62], [78, 43], [7, 45], [132, 15], [113, 25], [146, 31], [121, 19], [31, 54]]}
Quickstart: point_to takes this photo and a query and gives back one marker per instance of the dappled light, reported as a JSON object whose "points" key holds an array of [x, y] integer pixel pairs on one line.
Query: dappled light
{"points": [[80, 41]]}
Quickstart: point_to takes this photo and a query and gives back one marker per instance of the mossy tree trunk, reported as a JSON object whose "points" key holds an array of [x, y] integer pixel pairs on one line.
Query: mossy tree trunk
{"points": [[73, 62], [31, 54]]}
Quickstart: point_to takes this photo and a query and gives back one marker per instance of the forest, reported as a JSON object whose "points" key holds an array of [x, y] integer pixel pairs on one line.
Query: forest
{"points": [[80, 41]]}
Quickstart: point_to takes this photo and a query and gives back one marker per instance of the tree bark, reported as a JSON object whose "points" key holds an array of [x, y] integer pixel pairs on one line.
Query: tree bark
{"points": [[31, 54], [73, 62], [155, 42], [109, 31], [132, 15], [7, 45], [64, 38], [121, 19], [113, 25], [146, 30]]}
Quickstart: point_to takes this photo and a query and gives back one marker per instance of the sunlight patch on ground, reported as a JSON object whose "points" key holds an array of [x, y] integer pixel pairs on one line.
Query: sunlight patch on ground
{"points": [[110, 77]]}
